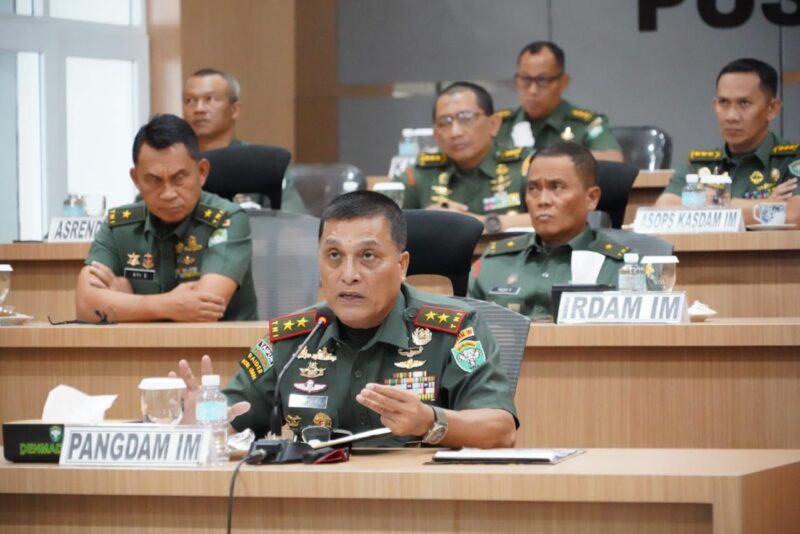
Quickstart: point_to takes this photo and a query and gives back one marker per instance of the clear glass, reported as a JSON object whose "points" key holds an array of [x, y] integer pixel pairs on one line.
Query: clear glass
{"points": [[162, 406], [103, 11], [100, 127], [717, 195], [5, 285], [394, 190], [660, 276], [94, 205]]}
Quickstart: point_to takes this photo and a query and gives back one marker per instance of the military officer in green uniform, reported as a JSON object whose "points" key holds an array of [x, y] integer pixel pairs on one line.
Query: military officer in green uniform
{"points": [[180, 254], [211, 105], [519, 272], [424, 366], [470, 175], [543, 117], [761, 165]]}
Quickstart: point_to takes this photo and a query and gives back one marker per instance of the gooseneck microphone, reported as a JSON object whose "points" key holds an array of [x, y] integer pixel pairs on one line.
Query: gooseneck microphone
{"points": [[276, 416]]}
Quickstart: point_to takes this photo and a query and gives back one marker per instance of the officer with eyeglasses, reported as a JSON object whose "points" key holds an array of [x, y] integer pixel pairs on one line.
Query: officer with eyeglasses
{"points": [[544, 118], [470, 174]]}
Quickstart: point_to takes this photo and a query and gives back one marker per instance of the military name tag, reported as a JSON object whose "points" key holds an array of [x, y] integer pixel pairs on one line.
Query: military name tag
{"points": [[145, 275], [317, 402], [73, 229], [622, 307], [687, 221], [510, 290]]}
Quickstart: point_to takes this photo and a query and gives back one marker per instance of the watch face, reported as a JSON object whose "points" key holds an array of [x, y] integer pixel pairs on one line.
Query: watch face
{"points": [[436, 434]]}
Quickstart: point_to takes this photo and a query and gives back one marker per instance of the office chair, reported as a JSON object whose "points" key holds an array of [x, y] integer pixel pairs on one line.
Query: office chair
{"points": [[645, 147], [442, 242], [615, 181], [285, 261], [314, 186], [510, 329], [643, 244], [247, 169]]}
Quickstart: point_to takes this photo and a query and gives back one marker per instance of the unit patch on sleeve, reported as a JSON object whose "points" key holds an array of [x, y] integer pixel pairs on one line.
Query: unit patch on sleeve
{"points": [[468, 355]]}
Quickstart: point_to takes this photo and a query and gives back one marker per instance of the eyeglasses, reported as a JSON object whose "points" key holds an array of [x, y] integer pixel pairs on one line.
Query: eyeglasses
{"points": [[542, 82], [464, 118]]}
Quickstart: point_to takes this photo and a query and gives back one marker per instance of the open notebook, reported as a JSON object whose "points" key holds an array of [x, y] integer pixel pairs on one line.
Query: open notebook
{"points": [[535, 456]]}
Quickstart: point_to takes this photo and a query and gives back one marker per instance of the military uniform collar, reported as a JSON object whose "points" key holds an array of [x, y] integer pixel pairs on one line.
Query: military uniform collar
{"points": [[557, 117], [762, 153], [579, 242], [150, 225]]}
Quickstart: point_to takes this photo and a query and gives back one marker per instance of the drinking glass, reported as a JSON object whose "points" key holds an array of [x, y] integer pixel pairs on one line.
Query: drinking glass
{"points": [[162, 400]]}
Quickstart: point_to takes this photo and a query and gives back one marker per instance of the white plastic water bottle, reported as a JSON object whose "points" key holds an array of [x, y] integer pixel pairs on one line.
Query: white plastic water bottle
{"points": [[212, 411], [693, 195], [408, 146], [631, 275]]}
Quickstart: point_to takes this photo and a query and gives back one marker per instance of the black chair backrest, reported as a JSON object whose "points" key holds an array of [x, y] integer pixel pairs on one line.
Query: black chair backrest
{"points": [[285, 261], [442, 242], [645, 147], [247, 169], [510, 330], [318, 184], [615, 181]]}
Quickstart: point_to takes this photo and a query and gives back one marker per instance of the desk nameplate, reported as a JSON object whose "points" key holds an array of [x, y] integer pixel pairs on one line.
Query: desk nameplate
{"points": [[617, 307], [687, 221], [73, 229]]}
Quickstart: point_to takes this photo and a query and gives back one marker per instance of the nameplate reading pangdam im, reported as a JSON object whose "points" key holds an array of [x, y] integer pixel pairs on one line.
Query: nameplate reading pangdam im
{"points": [[648, 307], [134, 445], [73, 229], [687, 221]]}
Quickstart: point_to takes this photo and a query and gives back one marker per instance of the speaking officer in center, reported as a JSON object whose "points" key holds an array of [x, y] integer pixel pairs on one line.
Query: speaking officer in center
{"points": [[179, 254], [762, 166], [519, 272], [544, 118], [470, 174], [423, 365]]}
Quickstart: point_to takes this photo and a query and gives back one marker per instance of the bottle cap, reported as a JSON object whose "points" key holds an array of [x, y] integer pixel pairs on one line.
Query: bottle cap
{"points": [[630, 257], [408, 132], [692, 178], [211, 380]]}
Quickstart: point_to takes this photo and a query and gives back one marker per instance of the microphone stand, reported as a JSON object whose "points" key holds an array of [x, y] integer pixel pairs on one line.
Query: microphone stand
{"points": [[277, 450]]}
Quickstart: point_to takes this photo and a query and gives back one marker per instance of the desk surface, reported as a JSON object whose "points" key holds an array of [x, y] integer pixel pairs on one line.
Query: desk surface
{"points": [[746, 491]]}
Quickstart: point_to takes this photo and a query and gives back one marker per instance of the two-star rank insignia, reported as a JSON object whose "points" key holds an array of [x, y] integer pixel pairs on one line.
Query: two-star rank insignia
{"points": [[289, 326], [442, 319]]}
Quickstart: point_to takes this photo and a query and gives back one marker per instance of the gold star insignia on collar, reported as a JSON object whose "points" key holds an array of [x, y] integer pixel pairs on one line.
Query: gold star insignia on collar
{"points": [[443, 318], [288, 325], [126, 214], [510, 244], [302, 322], [430, 316], [207, 214]]}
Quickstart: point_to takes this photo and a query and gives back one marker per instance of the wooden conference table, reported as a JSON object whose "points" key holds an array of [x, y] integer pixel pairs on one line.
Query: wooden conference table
{"points": [[603, 490], [726, 383]]}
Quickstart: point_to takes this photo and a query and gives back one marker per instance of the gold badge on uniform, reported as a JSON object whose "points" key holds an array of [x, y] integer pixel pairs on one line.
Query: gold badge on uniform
{"points": [[704, 171], [774, 174], [192, 245], [323, 419], [421, 336], [292, 421], [133, 259], [756, 177], [567, 134], [312, 371], [148, 262], [187, 260]]}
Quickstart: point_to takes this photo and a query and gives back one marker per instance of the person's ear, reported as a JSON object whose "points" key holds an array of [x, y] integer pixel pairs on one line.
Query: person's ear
{"points": [[204, 167], [774, 108], [592, 197], [405, 258]]}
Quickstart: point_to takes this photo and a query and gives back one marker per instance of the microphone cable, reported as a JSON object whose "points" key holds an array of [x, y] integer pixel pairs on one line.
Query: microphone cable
{"points": [[252, 458]]}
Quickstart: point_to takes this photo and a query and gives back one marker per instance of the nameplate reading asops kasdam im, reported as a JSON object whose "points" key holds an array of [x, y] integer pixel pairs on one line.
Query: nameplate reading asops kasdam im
{"points": [[687, 221], [646, 307], [134, 445], [73, 229]]}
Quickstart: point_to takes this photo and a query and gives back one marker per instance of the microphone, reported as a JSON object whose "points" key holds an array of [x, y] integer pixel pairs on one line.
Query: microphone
{"points": [[276, 416]]}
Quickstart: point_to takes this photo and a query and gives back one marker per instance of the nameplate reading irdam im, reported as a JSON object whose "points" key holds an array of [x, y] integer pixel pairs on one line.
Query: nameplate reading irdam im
{"points": [[134, 445], [73, 229], [687, 221], [651, 307]]}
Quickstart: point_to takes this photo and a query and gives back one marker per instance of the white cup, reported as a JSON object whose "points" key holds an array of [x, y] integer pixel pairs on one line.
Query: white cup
{"points": [[162, 400], [770, 213], [94, 205], [394, 190]]}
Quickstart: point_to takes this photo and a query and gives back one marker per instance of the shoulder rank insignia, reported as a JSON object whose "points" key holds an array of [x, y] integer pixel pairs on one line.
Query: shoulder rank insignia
{"points": [[289, 326], [582, 115], [125, 215], [513, 244], [784, 150], [704, 155], [426, 160], [609, 248], [442, 319], [211, 216], [510, 154], [504, 113]]}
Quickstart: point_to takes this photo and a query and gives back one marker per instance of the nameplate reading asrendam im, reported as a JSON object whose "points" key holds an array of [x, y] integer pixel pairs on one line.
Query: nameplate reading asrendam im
{"points": [[688, 221], [135, 445], [647, 307]]}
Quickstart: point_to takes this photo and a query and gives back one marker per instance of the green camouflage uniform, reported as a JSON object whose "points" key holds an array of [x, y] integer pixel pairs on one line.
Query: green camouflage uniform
{"points": [[566, 123], [753, 175], [155, 258], [433, 346], [497, 185], [519, 272]]}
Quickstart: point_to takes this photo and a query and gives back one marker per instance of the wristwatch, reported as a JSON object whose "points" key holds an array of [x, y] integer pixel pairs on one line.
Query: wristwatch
{"points": [[438, 429], [492, 224]]}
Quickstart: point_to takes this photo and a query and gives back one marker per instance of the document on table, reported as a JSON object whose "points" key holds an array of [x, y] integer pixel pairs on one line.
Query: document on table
{"points": [[534, 456]]}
